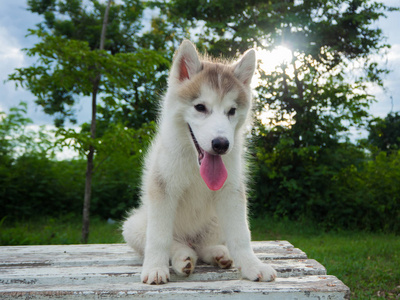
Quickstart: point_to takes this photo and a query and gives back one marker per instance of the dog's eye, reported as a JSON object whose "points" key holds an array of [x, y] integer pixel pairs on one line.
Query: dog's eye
{"points": [[232, 111], [200, 108]]}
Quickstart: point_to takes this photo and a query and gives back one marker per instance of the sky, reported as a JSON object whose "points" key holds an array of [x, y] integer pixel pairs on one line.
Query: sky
{"points": [[15, 21]]}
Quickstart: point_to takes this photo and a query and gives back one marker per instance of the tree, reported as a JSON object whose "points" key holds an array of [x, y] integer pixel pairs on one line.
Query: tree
{"points": [[311, 100], [12, 128], [385, 133], [73, 61], [17, 139], [90, 164]]}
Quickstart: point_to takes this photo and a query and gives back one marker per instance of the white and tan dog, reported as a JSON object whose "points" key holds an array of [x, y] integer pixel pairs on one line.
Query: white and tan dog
{"points": [[193, 186]]}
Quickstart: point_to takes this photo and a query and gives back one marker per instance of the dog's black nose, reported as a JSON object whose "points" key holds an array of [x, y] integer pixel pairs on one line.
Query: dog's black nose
{"points": [[220, 145]]}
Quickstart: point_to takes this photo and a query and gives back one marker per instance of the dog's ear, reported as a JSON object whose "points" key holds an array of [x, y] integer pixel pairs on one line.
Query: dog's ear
{"points": [[245, 67], [186, 62]]}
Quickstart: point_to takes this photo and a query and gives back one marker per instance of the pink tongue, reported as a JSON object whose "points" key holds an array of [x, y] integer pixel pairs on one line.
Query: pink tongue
{"points": [[213, 171]]}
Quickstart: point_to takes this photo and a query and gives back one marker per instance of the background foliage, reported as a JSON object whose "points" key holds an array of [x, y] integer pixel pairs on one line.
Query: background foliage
{"points": [[33, 184], [304, 166]]}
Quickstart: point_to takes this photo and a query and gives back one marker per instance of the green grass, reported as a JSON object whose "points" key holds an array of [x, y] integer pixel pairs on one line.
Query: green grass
{"points": [[57, 231], [369, 263]]}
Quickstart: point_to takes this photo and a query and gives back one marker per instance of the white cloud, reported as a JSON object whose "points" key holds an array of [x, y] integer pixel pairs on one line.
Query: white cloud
{"points": [[389, 99], [394, 53], [11, 57], [10, 52]]}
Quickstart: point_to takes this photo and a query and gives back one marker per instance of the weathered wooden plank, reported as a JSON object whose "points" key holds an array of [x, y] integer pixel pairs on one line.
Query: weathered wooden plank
{"points": [[26, 251], [290, 253], [117, 248], [307, 287], [120, 254], [270, 244], [55, 275], [110, 258]]}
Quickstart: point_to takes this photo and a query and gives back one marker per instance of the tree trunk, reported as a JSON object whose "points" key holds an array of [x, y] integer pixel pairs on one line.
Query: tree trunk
{"points": [[89, 171], [90, 165]]}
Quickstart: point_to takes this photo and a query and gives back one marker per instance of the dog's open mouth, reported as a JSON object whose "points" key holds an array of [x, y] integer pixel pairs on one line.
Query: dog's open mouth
{"points": [[200, 151], [212, 168]]}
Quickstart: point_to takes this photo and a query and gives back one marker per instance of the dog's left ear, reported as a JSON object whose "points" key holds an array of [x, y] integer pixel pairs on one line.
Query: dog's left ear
{"points": [[186, 62], [245, 67]]}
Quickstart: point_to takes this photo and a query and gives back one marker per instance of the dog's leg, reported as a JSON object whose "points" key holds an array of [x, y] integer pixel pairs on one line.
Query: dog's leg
{"points": [[183, 259], [211, 249], [232, 216], [215, 255], [134, 230], [161, 211]]}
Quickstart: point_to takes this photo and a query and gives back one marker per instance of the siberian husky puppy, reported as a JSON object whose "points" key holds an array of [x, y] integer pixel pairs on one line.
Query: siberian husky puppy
{"points": [[193, 186]]}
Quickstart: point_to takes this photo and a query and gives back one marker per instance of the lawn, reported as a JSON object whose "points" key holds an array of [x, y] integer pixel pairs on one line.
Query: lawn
{"points": [[57, 231], [369, 263]]}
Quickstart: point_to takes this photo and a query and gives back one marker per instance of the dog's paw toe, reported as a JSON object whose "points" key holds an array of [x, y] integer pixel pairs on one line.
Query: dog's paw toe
{"points": [[155, 276], [223, 262], [259, 272], [217, 255], [188, 269]]}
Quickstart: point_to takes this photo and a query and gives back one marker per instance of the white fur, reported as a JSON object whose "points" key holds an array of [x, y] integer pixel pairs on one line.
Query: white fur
{"points": [[180, 219]]}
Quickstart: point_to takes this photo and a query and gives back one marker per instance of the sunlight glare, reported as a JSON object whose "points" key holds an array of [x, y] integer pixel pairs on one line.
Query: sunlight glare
{"points": [[269, 60]]}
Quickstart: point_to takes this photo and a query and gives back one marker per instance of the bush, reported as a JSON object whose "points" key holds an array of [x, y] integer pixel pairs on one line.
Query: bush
{"points": [[33, 185], [369, 195], [115, 187], [335, 187]]}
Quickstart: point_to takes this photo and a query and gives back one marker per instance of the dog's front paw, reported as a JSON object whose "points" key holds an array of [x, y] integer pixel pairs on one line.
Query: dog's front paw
{"points": [[158, 275], [223, 262], [221, 257], [259, 271], [216, 255], [183, 266]]}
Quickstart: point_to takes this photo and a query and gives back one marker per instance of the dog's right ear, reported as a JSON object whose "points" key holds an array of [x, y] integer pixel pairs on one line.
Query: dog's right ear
{"points": [[186, 62], [244, 69]]}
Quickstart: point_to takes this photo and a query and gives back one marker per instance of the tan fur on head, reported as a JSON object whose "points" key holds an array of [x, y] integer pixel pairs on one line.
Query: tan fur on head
{"points": [[192, 71], [187, 62], [219, 77]]}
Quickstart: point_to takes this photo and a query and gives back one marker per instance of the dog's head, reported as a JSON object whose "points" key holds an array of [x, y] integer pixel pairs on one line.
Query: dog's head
{"points": [[217, 100]]}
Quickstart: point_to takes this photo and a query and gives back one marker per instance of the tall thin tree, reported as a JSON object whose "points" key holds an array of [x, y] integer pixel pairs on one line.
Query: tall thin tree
{"points": [[90, 165]]}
